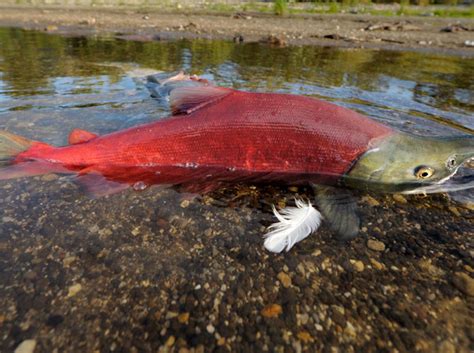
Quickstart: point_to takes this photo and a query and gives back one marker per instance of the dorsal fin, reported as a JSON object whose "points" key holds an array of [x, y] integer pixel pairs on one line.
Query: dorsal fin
{"points": [[80, 136], [185, 100]]}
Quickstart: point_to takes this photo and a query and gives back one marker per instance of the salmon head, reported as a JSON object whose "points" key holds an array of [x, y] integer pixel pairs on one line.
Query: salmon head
{"points": [[412, 164]]}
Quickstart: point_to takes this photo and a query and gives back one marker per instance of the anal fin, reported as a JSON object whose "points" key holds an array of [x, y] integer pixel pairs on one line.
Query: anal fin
{"points": [[96, 185], [338, 207]]}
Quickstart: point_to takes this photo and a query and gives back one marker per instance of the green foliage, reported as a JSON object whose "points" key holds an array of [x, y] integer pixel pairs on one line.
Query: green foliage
{"points": [[334, 7], [280, 7]]}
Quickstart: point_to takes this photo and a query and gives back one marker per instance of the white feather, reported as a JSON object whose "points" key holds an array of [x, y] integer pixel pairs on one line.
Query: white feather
{"points": [[295, 224]]}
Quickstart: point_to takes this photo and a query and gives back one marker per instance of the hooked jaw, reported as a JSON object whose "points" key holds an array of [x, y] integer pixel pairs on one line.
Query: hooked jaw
{"points": [[412, 164]]}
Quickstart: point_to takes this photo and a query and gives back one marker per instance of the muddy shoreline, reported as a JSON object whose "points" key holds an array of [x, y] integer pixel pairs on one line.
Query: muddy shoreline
{"points": [[350, 30]]}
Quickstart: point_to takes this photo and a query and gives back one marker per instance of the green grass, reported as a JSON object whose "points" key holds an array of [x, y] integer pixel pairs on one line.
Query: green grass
{"points": [[280, 7]]}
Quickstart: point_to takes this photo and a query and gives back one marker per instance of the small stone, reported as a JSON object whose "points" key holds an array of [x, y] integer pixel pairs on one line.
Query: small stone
{"points": [[284, 279], [464, 283], [371, 201], [377, 265], [30, 275], [210, 328], [27, 346], [400, 198], [68, 260], [171, 315], [305, 336], [272, 310], [135, 231], [49, 177], [433, 270], [293, 188], [375, 245], [455, 211], [54, 320], [74, 289], [447, 347], [170, 341], [350, 330], [184, 203], [183, 318], [358, 265], [221, 341]]}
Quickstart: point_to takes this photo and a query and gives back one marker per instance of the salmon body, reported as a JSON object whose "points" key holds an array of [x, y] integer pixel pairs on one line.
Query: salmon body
{"points": [[219, 135]]}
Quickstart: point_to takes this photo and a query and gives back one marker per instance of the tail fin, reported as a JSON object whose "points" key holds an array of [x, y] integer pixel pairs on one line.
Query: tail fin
{"points": [[11, 145]]}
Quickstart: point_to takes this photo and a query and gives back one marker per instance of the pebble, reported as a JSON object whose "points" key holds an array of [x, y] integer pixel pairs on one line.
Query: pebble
{"points": [[210, 328], [284, 279], [184, 203], [400, 198], [74, 289], [377, 265], [171, 315], [67, 261], [464, 283], [447, 347], [272, 310], [358, 265], [183, 318], [305, 336], [455, 211], [170, 341], [49, 177], [375, 245], [350, 330], [370, 200], [27, 346]]}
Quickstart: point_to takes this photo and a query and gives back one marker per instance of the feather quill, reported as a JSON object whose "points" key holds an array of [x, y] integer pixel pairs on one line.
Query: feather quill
{"points": [[294, 224]]}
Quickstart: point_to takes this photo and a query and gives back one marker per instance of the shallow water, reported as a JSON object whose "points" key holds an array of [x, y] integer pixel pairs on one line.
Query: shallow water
{"points": [[51, 84]]}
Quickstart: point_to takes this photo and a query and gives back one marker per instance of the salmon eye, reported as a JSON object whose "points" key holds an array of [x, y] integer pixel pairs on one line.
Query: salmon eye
{"points": [[423, 172]]}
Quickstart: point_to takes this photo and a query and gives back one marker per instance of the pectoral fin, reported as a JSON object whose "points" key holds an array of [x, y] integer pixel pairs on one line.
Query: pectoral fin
{"points": [[338, 208]]}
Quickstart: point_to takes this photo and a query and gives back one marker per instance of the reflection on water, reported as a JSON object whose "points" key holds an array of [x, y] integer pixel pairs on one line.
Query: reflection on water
{"points": [[399, 87]]}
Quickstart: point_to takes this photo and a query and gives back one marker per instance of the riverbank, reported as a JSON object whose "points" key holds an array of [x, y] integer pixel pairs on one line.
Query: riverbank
{"points": [[432, 34]]}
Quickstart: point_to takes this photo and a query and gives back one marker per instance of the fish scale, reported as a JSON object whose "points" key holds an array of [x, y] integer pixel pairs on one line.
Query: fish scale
{"points": [[251, 132]]}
